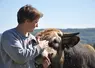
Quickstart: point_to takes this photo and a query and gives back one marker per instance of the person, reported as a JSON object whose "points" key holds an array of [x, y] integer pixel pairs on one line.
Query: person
{"points": [[18, 46]]}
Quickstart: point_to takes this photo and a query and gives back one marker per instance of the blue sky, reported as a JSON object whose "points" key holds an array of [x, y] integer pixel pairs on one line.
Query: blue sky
{"points": [[57, 13]]}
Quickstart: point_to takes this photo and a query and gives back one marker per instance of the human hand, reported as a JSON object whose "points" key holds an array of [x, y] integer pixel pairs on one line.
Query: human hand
{"points": [[46, 62], [42, 43]]}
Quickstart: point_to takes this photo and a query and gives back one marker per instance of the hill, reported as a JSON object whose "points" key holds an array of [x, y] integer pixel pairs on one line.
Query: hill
{"points": [[86, 35]]}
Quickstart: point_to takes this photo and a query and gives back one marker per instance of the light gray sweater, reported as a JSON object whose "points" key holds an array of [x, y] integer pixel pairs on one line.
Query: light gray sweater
{"points": [[18, 51]]}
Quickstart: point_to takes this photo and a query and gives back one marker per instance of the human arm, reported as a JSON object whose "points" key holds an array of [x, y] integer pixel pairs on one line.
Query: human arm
{"points": [[13, 47]]}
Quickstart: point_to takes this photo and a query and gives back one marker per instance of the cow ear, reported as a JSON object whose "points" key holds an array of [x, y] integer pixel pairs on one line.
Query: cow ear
{"points": [[70, 40]]}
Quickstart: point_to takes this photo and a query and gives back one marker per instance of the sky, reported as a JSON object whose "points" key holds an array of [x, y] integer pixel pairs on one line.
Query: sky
{"points": [[57, 13]]}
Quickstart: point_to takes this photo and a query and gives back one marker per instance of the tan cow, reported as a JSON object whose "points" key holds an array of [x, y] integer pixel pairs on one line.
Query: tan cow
{"points": [[55, 48], [65, 50]]}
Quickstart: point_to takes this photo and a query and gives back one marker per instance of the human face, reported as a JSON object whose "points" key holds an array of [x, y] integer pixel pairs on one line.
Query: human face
{"points": [[31, 25]]}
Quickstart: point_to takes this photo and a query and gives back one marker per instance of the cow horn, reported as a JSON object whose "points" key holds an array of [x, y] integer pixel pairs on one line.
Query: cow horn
{"points": [[70, 34]]}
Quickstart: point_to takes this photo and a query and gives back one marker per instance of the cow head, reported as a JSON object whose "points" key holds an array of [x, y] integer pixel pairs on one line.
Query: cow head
{"points": [[57, 42]]}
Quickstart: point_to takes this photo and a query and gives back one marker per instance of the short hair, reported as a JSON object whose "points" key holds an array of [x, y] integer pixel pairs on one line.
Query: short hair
{"points": [[28, 12]]}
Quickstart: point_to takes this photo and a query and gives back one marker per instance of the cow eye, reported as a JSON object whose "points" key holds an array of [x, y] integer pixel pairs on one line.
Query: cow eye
{"points": [[55, 41], [59, 35]]}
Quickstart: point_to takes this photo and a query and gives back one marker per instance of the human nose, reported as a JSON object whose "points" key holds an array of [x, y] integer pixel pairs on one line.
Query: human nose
{"points": [[36, 25]]}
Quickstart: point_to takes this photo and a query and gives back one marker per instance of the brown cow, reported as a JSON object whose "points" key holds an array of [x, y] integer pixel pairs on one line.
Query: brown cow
{"points": [[65, 52], [54, 36]]}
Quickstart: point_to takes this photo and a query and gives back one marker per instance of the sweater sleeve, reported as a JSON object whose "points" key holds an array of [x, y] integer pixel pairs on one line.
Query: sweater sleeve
{"points": [[13, 47]]}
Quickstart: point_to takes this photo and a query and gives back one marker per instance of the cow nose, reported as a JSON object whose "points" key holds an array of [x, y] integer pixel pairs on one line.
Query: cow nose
{"points": [[50, 55]]}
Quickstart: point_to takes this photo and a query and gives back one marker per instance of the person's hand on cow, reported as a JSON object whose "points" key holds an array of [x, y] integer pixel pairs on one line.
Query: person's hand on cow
{"points": [[42, 43], [46, 62]]}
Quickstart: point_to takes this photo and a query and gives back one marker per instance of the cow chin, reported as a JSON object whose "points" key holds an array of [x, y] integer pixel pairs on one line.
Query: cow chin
{"points": [[48, 52]]}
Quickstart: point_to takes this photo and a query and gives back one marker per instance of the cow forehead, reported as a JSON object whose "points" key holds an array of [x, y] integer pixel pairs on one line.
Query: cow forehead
{"points": [[49, 33]]}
